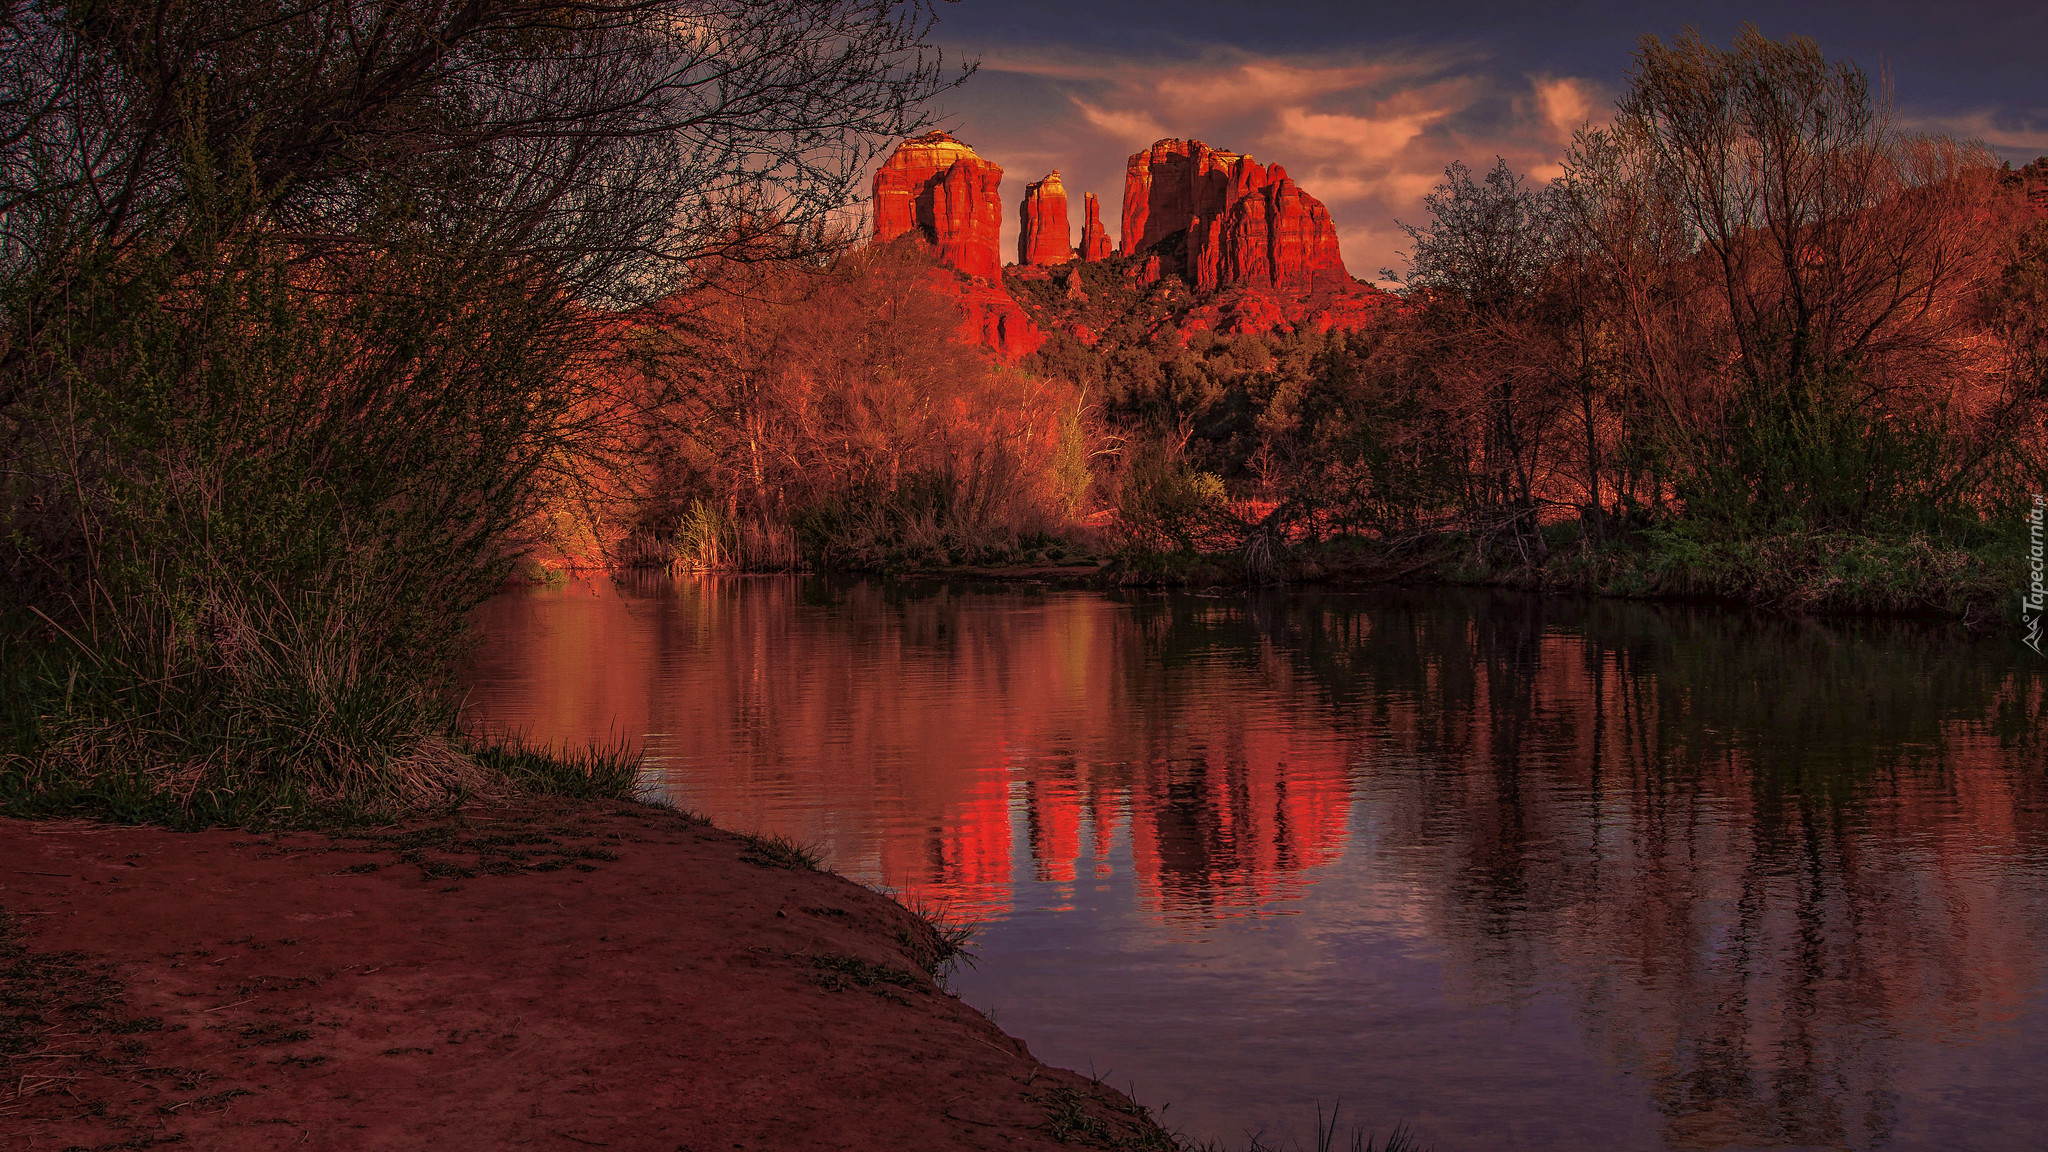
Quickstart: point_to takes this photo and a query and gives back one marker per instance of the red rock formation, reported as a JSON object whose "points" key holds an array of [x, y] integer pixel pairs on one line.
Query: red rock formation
{"points": [[937, 187], [989, 315], [1275, 236], [1094, 240], [1255, 311], [1229, 221], [1171, 185], [1046, 235]]}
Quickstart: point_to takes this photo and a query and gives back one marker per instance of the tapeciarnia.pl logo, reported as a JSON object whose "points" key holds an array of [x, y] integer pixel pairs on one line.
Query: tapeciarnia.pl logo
{"points": [[2034, 600]]}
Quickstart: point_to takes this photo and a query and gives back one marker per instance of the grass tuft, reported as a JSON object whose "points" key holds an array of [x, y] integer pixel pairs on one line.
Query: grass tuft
{"points": [[836, 971], [940, 943], [771, 850], [599, 772]]}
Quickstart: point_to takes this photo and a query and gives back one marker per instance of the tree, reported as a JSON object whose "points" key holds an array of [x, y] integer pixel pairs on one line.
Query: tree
{"points": [[1845, 254], [612, 141], [1648, 339], [1836, 237], [1481, 265]]}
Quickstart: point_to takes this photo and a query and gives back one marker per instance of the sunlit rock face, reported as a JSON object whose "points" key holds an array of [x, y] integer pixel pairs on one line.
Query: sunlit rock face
{"points": [[1170, 187], [990, 316], [1045, 235], [1213, 241], [1094, 239], [1229, 221], [935, 186], [1273, 235]]}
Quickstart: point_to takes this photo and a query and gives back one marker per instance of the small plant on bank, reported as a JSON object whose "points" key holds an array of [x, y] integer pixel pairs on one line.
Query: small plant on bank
{"points": [[608, 771], [940, 943], [772, 850], [836, 971]]}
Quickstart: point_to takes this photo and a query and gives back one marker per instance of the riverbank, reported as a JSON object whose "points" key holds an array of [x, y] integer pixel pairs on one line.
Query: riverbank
{"points": [[1821, 573], [1816, 572], [551, 974]]}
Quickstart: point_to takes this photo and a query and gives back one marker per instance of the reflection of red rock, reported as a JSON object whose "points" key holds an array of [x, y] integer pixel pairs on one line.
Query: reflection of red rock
{"points": [[1094, 240], [1232, 815], [1053, 814], [962, 865], [1045, 234], [1273, 808], [936, 187]]}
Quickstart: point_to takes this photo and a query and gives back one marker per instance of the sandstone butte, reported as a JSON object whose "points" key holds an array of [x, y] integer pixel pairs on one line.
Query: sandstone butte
{"points": [[1260, 253], [935, 186], [1094, 239], [1229, 221], [1045, 234]]}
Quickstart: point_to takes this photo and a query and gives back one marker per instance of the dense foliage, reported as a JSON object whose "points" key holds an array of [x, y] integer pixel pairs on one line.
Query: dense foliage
{"points": [[837, 416]]}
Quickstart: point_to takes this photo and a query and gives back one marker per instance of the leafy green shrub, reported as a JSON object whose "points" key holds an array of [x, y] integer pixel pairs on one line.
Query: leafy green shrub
{"points": [[1166, 502]]}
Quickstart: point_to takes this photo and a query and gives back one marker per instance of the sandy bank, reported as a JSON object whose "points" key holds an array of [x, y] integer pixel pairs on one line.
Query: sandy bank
{"points": [[561, 976]]}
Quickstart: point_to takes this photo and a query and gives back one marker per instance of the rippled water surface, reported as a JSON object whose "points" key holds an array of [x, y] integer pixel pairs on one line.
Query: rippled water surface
{"points": [[1521, 873]]}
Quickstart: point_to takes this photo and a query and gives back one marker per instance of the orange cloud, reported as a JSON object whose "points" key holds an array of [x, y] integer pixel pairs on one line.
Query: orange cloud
{"points": [[2018, 142]]}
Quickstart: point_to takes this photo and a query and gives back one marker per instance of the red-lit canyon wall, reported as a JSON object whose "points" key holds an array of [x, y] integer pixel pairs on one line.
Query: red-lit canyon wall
{"points": [[1229, 220], [937, 187], [1260, 254]]}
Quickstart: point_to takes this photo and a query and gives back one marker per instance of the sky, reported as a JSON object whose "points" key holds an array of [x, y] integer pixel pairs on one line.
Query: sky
{"points": [[1365, 103]]}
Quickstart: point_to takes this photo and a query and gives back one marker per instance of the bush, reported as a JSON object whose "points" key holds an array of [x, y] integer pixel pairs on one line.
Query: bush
{"points": [[251, 499], [1167, 503], [1816, 456]]}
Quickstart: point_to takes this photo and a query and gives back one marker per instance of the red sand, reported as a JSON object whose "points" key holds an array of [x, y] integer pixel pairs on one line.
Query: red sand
{"points": [[674, 998]]}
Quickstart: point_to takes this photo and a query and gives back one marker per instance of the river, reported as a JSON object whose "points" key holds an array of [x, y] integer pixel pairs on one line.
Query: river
{"points": [[1519, 873]]}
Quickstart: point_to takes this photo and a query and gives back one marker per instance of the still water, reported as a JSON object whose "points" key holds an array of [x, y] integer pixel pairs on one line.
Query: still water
{"points": [[1522, 873]]}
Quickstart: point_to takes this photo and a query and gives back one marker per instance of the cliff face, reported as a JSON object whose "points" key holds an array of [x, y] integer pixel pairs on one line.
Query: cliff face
{"points": [[1228, 221], [1273, 235], [937, 187], [989, 315], [1169, 187], [1045, 235], [1094, 240]]}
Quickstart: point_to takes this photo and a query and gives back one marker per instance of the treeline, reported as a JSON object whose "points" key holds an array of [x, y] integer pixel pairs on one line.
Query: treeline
{"points": [[1756, 340], [834, 415]]}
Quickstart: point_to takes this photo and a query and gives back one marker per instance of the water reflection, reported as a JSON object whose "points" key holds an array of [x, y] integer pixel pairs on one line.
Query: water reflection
{"points": [[1559, 872]]}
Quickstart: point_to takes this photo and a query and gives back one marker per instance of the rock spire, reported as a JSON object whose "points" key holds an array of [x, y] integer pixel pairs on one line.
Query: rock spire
{"points": [[1046, 235], [1094, 240], [1227, 220]]}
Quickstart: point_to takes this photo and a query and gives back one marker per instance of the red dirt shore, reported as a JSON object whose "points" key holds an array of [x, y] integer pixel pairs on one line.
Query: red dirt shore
{"points": [[559, 976]]}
